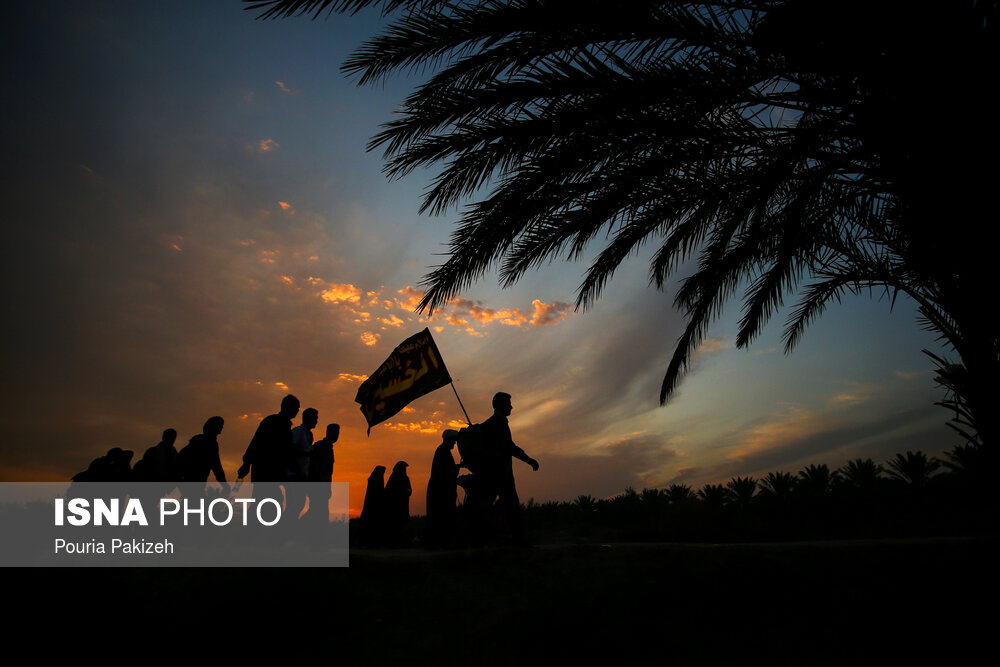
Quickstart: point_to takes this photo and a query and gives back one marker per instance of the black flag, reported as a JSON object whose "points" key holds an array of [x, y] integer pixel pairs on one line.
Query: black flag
{"points": [[413, 369]]}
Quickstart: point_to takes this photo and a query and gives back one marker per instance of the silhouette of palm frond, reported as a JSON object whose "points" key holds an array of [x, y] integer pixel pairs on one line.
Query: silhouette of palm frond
{"points": [[628, 498], [679, 494], [959, 395], [965, 460], [973, 466], [742, 490], [816, 480], [651, 497], [714, 495], [777, 146], [777, 485], [913, 468], [585, 504], [862, 474]]}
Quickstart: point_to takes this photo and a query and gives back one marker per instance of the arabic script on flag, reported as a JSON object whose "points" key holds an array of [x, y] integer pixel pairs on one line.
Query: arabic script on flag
{"points": [[413, 369]]}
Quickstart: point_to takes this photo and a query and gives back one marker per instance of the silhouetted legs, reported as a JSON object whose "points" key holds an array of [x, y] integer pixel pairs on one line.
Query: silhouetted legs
{"points": [[319, 503], [295, 496], [511, 507]]}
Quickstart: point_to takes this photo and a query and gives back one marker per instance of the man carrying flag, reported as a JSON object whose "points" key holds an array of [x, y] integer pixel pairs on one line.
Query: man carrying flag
{"points": [[413, 369]]}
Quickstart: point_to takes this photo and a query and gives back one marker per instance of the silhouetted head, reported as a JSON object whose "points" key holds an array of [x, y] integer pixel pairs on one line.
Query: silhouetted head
{"points": [[213, 426], [377, 472], [449, 437], [501, 404], [119, 455], [332, 432], [400, 467], [310, 417], [289, 406], [169, 436]]}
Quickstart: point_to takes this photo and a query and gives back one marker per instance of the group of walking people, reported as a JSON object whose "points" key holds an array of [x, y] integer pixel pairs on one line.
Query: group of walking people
{"points": [[487, 451], [386, 510], [279, 454]]}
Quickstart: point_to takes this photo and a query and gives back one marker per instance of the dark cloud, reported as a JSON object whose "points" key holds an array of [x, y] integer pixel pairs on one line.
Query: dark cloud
{"points": [[879, 438], [600, 367], [608, 471]]}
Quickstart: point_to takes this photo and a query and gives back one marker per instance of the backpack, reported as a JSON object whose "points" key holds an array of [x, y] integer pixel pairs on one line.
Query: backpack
{"points": [[186, 463], [142, 471], [471, 448]]}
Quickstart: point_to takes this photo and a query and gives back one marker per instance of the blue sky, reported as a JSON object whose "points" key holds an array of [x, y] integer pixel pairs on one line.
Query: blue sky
{"points": [[195, 228]]}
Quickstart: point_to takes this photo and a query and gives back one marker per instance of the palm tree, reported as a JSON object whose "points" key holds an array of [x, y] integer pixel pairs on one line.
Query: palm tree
{"points": [[861, 474], [816, 480], [742, 490], [628, 498], [585, 505], [789, 148], [913, 468], [777, 485], [714, 495], [652, 497], [970, 467], [679, 494], [965, 460]]}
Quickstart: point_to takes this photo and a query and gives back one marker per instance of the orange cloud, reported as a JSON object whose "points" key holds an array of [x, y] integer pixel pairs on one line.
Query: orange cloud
{"points": [[288, 208], [425, 426], [267, 145], [412, 298], [349, 377], [461, 313], [512, 318], [391, 321], [548, 313], [336, 293], [370, 339], [285, 89]]}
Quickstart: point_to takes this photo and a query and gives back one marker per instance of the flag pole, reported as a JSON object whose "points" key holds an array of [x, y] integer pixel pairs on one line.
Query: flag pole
{"points": [[460, 403]]}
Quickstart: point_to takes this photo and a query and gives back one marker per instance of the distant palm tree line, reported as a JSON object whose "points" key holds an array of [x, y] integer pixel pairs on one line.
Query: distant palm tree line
{"points": [[911, 495]]}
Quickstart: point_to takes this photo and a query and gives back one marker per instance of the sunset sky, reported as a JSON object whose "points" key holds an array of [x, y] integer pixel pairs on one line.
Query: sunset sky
{"points": [[193, 227]]}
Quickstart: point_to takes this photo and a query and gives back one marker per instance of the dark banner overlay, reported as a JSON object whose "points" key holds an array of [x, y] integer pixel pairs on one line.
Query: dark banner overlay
{"points": [[148, 525], [413, 369]]}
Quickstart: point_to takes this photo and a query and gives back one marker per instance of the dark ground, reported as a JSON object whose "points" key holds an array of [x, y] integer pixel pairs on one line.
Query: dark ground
{"points": [[851, 602]]}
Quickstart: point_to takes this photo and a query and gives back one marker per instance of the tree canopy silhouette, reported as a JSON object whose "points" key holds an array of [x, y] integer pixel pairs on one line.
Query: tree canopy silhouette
{"points": [[801, 149]]}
